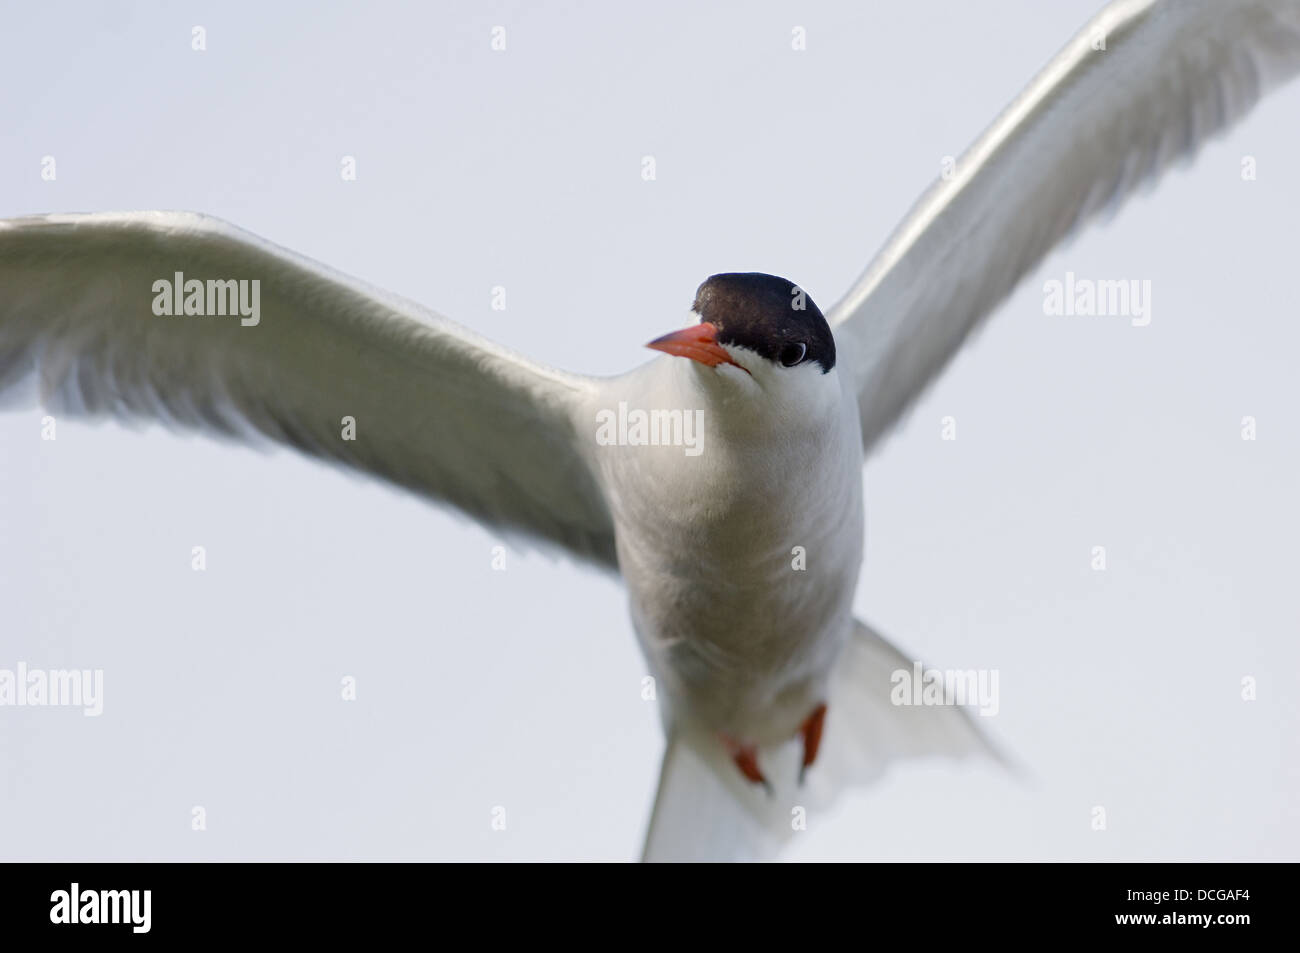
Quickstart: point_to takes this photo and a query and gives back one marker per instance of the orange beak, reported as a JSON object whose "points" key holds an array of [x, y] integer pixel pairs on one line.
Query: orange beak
{"points": [[699, 343]]}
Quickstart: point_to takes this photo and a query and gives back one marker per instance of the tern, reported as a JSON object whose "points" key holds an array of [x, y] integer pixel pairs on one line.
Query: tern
{"points": [[721, 480]]}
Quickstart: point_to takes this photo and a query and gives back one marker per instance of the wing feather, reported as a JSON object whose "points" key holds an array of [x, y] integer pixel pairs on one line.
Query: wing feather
{"points": [[1092, 127], [436, 409]]}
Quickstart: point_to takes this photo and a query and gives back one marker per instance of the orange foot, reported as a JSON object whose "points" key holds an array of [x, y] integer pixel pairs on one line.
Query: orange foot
{"points": [[811, 731], [746, 758]]}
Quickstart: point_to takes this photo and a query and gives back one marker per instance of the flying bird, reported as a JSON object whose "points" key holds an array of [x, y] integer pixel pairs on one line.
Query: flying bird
{"points": [[721, 480]]}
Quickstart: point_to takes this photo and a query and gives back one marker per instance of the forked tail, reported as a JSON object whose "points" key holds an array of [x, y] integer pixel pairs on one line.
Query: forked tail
{"points": [[705, 810]]}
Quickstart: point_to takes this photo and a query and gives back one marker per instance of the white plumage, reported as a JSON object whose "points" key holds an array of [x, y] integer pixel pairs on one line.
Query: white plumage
{"points": [[743, 645]]}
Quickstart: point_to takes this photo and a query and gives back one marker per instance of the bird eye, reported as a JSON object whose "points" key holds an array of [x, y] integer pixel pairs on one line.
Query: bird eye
{"points": [[793, 354]]}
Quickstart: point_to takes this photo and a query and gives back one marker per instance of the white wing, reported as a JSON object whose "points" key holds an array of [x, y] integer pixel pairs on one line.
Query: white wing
{"points": [[436, 409], [1093, 125]]}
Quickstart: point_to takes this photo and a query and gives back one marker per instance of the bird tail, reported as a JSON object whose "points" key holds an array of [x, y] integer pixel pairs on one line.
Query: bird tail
{"points": [[705, 810]]}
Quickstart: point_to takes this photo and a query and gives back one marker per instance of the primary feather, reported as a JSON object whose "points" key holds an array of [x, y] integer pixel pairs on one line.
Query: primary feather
{"points": [[1144, 84], [436, 409]]}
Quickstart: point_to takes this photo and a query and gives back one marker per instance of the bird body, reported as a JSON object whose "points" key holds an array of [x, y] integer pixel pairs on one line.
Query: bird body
{"points": [[739, 535], [740, 628]]}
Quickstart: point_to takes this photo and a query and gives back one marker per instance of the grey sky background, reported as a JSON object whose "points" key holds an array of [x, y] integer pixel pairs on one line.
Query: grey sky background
{"points": [[521, 688]]}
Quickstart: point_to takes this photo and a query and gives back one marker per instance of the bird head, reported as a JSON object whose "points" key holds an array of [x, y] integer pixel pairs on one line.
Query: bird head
{"points": [[760, 334]]}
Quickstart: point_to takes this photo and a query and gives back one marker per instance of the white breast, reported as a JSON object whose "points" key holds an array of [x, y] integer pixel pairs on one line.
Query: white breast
{"points": [[741, 556]]}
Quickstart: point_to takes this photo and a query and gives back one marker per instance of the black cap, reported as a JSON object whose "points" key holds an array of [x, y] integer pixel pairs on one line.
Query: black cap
{"points": [[769, 315]]}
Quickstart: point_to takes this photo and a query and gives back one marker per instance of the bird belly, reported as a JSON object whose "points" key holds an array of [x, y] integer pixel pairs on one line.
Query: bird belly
{"points": [[742, 598]]}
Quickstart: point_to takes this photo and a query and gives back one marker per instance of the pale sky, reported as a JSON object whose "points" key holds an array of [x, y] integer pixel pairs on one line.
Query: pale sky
{"points": [[520, 689]]}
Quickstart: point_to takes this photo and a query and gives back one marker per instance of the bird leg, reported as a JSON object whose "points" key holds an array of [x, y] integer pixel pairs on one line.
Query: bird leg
{"points": [[811, 731], [746, 758]]}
